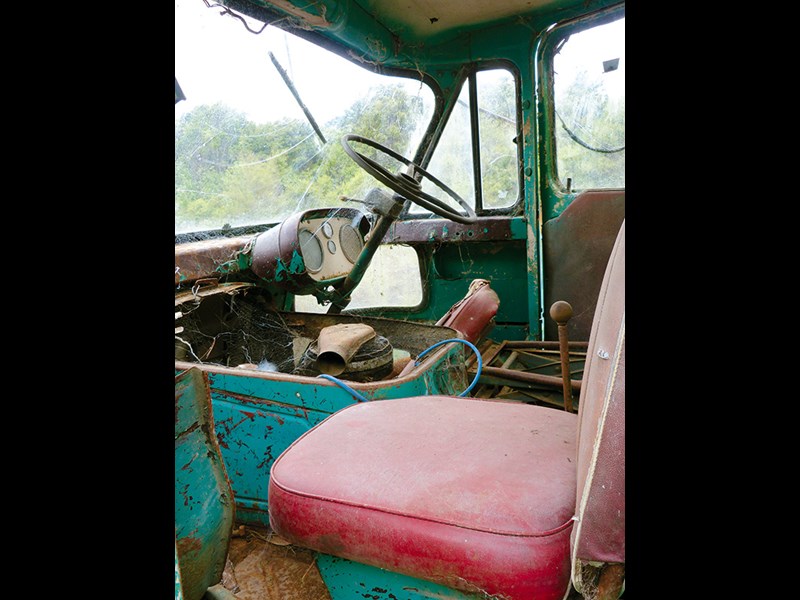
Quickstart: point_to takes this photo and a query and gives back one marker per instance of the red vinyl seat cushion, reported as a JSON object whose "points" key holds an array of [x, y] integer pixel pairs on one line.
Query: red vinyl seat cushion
{"points": [[473, 494]]}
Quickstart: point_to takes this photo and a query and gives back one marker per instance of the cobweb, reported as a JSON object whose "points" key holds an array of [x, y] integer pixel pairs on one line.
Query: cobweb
{"points": [[238, 330], [237, 327]]}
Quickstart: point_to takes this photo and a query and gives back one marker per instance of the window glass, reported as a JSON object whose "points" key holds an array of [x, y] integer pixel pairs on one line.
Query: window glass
{"points": [[452, 161], [589, 86], [497, 118], [245, 151], [392, 279]]}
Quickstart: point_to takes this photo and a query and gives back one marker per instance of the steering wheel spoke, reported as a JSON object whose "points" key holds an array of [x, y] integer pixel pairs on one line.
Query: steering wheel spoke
{"points": [[405, 185]]}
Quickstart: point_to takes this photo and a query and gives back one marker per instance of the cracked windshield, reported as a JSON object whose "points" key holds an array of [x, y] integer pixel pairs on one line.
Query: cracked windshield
{"points": [[259, 115]]}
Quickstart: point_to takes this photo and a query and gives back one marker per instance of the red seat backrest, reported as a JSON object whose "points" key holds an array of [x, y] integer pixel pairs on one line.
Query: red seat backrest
{"points": [[599, 532]]}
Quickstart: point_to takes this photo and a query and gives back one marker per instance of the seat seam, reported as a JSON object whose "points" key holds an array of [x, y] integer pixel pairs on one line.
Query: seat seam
{"points": [[545, 533]]}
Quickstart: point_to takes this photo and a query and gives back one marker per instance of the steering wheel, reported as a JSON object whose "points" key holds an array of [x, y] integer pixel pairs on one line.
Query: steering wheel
{"points": [[405, 185]]}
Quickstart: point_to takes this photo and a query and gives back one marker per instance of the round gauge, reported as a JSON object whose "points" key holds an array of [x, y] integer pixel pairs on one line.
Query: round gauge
{"points": [[331, 247], [351, 242], [327, 229], [311, 249]]}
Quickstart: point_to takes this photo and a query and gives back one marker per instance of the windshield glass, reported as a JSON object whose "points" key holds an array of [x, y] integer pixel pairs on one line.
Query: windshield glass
{"points": [[257, 136]]}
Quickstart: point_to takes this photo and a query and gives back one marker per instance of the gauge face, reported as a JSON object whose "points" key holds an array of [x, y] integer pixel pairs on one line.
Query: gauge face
{"points": [[351, 242], [311, 249], [327, 229]]}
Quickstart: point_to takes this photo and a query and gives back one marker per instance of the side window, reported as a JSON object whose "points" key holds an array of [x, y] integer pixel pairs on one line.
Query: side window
{"points": [[589, 92], [497, 115], [453, 159], [393, 279]]}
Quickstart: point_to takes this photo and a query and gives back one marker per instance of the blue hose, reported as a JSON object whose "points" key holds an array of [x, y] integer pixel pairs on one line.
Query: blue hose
{"points": [[361, 398], [474, 349], [344, 386]]}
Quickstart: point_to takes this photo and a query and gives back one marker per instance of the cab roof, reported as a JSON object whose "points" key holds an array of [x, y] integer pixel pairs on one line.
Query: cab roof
{"points": [[407, 32]]}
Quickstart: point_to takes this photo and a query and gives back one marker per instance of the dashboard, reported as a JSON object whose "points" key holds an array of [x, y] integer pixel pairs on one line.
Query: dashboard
{"points": [[315, 246], [329, 246]]}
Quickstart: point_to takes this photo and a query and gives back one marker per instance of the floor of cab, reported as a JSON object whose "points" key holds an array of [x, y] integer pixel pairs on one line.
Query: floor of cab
{"points": [[262, 566]]}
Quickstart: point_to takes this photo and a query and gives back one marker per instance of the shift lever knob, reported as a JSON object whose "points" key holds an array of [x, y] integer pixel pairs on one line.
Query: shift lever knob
{"points": [[561, 312]]}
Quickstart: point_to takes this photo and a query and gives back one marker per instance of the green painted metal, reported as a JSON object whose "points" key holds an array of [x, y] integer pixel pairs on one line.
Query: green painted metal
{"points": [[451, 268], [204, 508], [347, 580], [257, 418], [392, 44]]}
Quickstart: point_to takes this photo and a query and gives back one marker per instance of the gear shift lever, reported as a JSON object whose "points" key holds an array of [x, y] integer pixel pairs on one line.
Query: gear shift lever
{"points": [[561, 312]]}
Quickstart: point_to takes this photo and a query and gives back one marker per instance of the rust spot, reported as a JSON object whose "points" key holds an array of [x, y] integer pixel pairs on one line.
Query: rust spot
{"points": [[248, 415], [526, 127], [191, 428], [267, 460], [189, 544], [250, 400], [225, 424], [485, 229]]}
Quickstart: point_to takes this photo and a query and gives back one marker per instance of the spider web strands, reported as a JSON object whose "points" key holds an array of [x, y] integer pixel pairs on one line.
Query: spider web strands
{"points": [[258, 162], [486, 111]]}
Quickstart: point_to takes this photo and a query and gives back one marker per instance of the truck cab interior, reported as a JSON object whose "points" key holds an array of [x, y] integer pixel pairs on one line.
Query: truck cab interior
{"points": [[399, 299]]}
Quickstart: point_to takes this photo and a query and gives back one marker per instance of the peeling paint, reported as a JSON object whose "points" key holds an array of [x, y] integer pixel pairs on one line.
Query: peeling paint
{"points": [[296, 265], [280, 271], [309, 18], [526, 125]]}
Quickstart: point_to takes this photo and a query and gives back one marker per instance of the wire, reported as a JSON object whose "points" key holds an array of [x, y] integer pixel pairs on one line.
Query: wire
{"points": [[361, 398], [228, 11], [577, 140], [344, 386]]}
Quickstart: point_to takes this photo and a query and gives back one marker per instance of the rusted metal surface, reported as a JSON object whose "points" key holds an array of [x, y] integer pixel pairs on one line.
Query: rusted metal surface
{"points": [[611, 579], [514, 374], [525, 372], [195, 260], [561, 313], [576, 246], [442, 230], [544, 344], [489, 351], [199, 291]]}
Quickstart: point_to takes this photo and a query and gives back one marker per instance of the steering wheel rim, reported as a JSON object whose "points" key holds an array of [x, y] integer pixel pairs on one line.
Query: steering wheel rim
{"points": [[405, 185]]}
